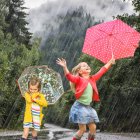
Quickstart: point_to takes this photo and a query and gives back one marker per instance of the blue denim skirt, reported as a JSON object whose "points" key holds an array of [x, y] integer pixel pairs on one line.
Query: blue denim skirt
{"points": [[82, 114]]}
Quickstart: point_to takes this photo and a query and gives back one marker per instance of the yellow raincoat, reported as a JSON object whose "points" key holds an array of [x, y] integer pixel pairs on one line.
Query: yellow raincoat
{"points": [[41, 101]]}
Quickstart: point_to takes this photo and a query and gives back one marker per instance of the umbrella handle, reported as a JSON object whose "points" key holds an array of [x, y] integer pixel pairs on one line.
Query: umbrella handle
{"points": [[113, 58], [111, 47], [112, 55], [19, 87]]}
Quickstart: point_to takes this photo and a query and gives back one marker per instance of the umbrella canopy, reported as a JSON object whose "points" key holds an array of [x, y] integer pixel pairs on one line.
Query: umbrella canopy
{"points": [[51, 83], [111, 38]]}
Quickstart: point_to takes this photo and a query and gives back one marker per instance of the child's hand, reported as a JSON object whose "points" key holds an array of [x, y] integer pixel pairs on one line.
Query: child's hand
{"points": [[112, 60], [35, 97], [34, 100], [61, 62]]}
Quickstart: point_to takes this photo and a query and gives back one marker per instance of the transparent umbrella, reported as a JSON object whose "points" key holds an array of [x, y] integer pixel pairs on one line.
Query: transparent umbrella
{"points": [[51, 82]]}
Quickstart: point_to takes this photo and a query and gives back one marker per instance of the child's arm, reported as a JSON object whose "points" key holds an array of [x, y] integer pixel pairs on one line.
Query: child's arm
{"points": [[69, 76], [110, 63], [41, 100], [28, 97], [104, 69], [63, 64]]}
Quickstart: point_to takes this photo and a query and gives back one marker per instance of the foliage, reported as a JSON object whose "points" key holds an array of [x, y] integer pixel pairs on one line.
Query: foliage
{"points": [[16, 23], [119, 97], [14, 58]]}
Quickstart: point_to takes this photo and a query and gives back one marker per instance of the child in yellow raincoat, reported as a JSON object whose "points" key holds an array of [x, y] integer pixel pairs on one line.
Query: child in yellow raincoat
{"points": [[35, 101]]}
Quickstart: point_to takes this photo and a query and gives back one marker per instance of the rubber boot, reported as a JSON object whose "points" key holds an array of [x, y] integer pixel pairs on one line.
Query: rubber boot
{"points": [[34, 138], [74, 138], [23, 139], [91, 137]]}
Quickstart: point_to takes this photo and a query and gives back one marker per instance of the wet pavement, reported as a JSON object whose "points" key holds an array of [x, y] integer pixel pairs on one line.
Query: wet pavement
{"points": [[52, 132]]}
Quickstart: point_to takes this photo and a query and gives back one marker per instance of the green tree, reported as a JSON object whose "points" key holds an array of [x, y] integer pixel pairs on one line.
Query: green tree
{"points": [[2, 14], [15, 18], [14, 58]]}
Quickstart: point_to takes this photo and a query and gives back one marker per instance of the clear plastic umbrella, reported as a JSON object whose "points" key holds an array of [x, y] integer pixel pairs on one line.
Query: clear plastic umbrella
{"points": [[51, 82]]}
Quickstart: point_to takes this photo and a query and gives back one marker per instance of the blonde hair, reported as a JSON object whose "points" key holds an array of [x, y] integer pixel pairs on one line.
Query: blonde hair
{"points": [[75, 72]]}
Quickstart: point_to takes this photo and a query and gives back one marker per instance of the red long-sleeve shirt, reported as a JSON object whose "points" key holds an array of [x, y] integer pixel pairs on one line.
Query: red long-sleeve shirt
{"points": [[81, 83]]}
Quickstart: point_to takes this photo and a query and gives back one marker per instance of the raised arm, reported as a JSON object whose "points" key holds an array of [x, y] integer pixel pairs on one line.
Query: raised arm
{"points": [[104, 69], [69, 76], [63, 64], [110, 63]]}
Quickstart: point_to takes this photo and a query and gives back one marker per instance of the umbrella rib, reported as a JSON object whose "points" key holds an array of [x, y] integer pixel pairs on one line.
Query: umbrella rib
{"points": [[101, 38], [108, 47], [113, 37], [102, 31], [106, 32], [122, 42], [122, 32], [114, 33]]}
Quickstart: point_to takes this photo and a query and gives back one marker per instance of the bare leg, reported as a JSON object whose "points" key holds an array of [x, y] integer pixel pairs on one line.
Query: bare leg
{"points": [[92, 131], [92, 128], [34, 133], [80, 132], [25, 133]]}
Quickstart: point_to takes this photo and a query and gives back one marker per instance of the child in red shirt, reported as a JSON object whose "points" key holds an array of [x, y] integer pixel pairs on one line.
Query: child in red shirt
{"points": [[85, 91]]}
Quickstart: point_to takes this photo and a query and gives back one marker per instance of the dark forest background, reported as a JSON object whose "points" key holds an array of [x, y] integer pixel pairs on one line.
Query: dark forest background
{"points": [[119, 89]]}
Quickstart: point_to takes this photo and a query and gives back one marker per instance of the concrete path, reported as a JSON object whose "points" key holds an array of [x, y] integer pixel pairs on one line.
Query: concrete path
{"points": [[100, 136], [53, 132]]}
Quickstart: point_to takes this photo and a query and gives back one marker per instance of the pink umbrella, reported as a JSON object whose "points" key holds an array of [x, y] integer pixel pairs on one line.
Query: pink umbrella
{"points": [[111, 38]]}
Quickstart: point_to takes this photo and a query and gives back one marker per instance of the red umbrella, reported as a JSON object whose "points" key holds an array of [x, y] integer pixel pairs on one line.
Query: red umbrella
{"points": [[111, 38]]}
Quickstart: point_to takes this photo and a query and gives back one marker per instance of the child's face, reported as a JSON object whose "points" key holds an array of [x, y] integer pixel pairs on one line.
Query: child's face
{"points": [[84, 68], [33, 88]]}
